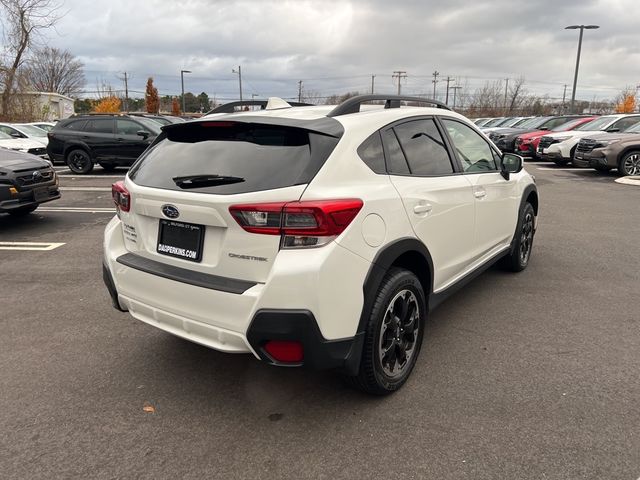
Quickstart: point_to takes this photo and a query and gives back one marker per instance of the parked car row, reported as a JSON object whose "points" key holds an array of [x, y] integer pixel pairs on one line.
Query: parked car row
{"points": [[602, 142], [24, 137]]}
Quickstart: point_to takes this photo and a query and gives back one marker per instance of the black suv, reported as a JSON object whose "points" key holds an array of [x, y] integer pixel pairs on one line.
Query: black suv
{"points": [[26, 181], [109, 140]]}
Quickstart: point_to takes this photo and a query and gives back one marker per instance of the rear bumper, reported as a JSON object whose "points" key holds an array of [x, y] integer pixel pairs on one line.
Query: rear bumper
{"points": [[300, 301], [266, 325]]}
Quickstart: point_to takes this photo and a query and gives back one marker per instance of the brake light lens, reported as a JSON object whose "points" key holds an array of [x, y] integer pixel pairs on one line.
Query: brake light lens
{"points": [[305, 224], [121, 196]]}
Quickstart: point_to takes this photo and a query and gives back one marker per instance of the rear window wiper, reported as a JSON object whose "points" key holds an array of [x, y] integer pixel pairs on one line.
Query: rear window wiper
{"points": [[197, 181]]}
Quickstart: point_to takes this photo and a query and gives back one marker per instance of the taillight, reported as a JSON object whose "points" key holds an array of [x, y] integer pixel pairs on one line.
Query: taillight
{"points": [[300, 224], [121, 196]]}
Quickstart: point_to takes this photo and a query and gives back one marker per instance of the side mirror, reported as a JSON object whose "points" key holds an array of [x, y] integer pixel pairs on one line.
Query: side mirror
{"points": [[143, 133], [544, 128], [17, 135], [613, 129], [510, 163]]}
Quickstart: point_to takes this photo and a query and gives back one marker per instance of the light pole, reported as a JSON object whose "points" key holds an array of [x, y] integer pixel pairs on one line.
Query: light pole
{"points": [[239, 72], [575, 77], [182, 72]]}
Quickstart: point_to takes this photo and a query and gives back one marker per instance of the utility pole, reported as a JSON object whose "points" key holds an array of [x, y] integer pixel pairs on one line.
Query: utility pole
{"points": [[506, 90], [182, 72], [372, 83], [399, 74], [455, 89], [299, 90], [239, 72], [125, 79], [446, 101], [435, 74], [126, 93]]}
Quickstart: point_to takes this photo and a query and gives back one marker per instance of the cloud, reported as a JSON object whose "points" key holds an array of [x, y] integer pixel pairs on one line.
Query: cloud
{"points": [[334, 46]]}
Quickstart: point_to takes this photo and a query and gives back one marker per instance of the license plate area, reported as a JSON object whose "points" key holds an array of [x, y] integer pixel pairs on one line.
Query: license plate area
{"points": [[40, 194], [180, 240]]}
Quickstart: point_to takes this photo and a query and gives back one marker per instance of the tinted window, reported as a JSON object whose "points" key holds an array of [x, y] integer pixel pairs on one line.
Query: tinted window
{"points": [[396, 163], [9, 130], [250, 156], [99, 125], [372, 153], [127, 127], [474, 152], [554, 122], [424, 148], [148, 124], [625, 123], [75, 125]]}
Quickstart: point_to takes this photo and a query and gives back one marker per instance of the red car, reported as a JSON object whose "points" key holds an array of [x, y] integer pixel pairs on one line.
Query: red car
{"points": [[527, 143]]}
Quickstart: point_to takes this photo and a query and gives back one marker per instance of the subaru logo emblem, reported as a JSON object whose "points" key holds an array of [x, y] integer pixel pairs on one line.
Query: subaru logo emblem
{"points": [[36, 175], [170, 211]]}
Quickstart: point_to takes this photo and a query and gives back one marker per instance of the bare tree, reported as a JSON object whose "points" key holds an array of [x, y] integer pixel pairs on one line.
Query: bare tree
{"points": [[55, 70], [516, 94], [24, 21], [487, 100]]}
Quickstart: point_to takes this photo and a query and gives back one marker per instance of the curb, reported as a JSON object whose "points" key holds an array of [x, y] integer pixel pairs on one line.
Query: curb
{"points": [[634, 180]]}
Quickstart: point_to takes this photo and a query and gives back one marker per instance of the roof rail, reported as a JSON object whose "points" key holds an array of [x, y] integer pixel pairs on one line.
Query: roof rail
{"points": [[230, 107], [352, 105]]}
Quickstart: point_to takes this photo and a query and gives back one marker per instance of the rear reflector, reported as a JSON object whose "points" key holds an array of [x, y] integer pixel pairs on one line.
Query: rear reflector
{"points": [[285, 351], [121, 196], [301, 224]]}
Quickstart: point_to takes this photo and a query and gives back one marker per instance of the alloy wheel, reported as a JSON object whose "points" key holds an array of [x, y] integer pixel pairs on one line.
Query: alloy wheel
{"points": [[631, 164], [398, 333], [526, 238]]}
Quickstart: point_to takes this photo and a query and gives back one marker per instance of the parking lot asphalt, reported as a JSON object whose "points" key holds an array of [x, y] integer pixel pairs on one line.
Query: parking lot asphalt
{"points": [[521, 376]]}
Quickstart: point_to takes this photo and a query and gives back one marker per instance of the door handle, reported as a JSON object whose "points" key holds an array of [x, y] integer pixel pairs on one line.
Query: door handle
{"points": [[422, 208], [480, 193]]}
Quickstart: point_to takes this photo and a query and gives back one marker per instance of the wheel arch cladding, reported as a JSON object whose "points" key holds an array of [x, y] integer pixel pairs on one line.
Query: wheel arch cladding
{"points": [[532, 198], [408, 253]]}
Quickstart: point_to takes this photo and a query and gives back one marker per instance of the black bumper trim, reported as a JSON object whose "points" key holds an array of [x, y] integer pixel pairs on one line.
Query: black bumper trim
{"points": [[113, 293], [301, 325], [198, 279]]}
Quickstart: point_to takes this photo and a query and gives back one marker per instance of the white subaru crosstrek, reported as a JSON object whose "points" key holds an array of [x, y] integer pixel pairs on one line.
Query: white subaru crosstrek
{"points": [[316, 236]]}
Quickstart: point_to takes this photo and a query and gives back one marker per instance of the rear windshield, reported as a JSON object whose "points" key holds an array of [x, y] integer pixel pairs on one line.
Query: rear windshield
{"points": [[232, 157]]}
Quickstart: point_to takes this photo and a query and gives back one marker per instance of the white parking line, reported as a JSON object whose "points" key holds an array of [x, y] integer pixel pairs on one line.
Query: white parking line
{"points": [[77, 210], [559, 169], [80, 177], [33, 246], [86, 189]]}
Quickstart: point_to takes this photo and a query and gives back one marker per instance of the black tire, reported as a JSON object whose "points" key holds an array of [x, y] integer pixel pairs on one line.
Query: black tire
{"points": [[561, 163], [518, 258], [108, 167], [395, 326], [22, 211], [629, 164], [79, 161]]}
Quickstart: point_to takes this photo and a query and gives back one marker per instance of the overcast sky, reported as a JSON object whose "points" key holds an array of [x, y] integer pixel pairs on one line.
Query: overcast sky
{"points": [[335, 46]]}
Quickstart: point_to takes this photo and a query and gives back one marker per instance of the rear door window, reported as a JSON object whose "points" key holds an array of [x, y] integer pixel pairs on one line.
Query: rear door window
{"points": [[232, 157], [424, 148]]}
